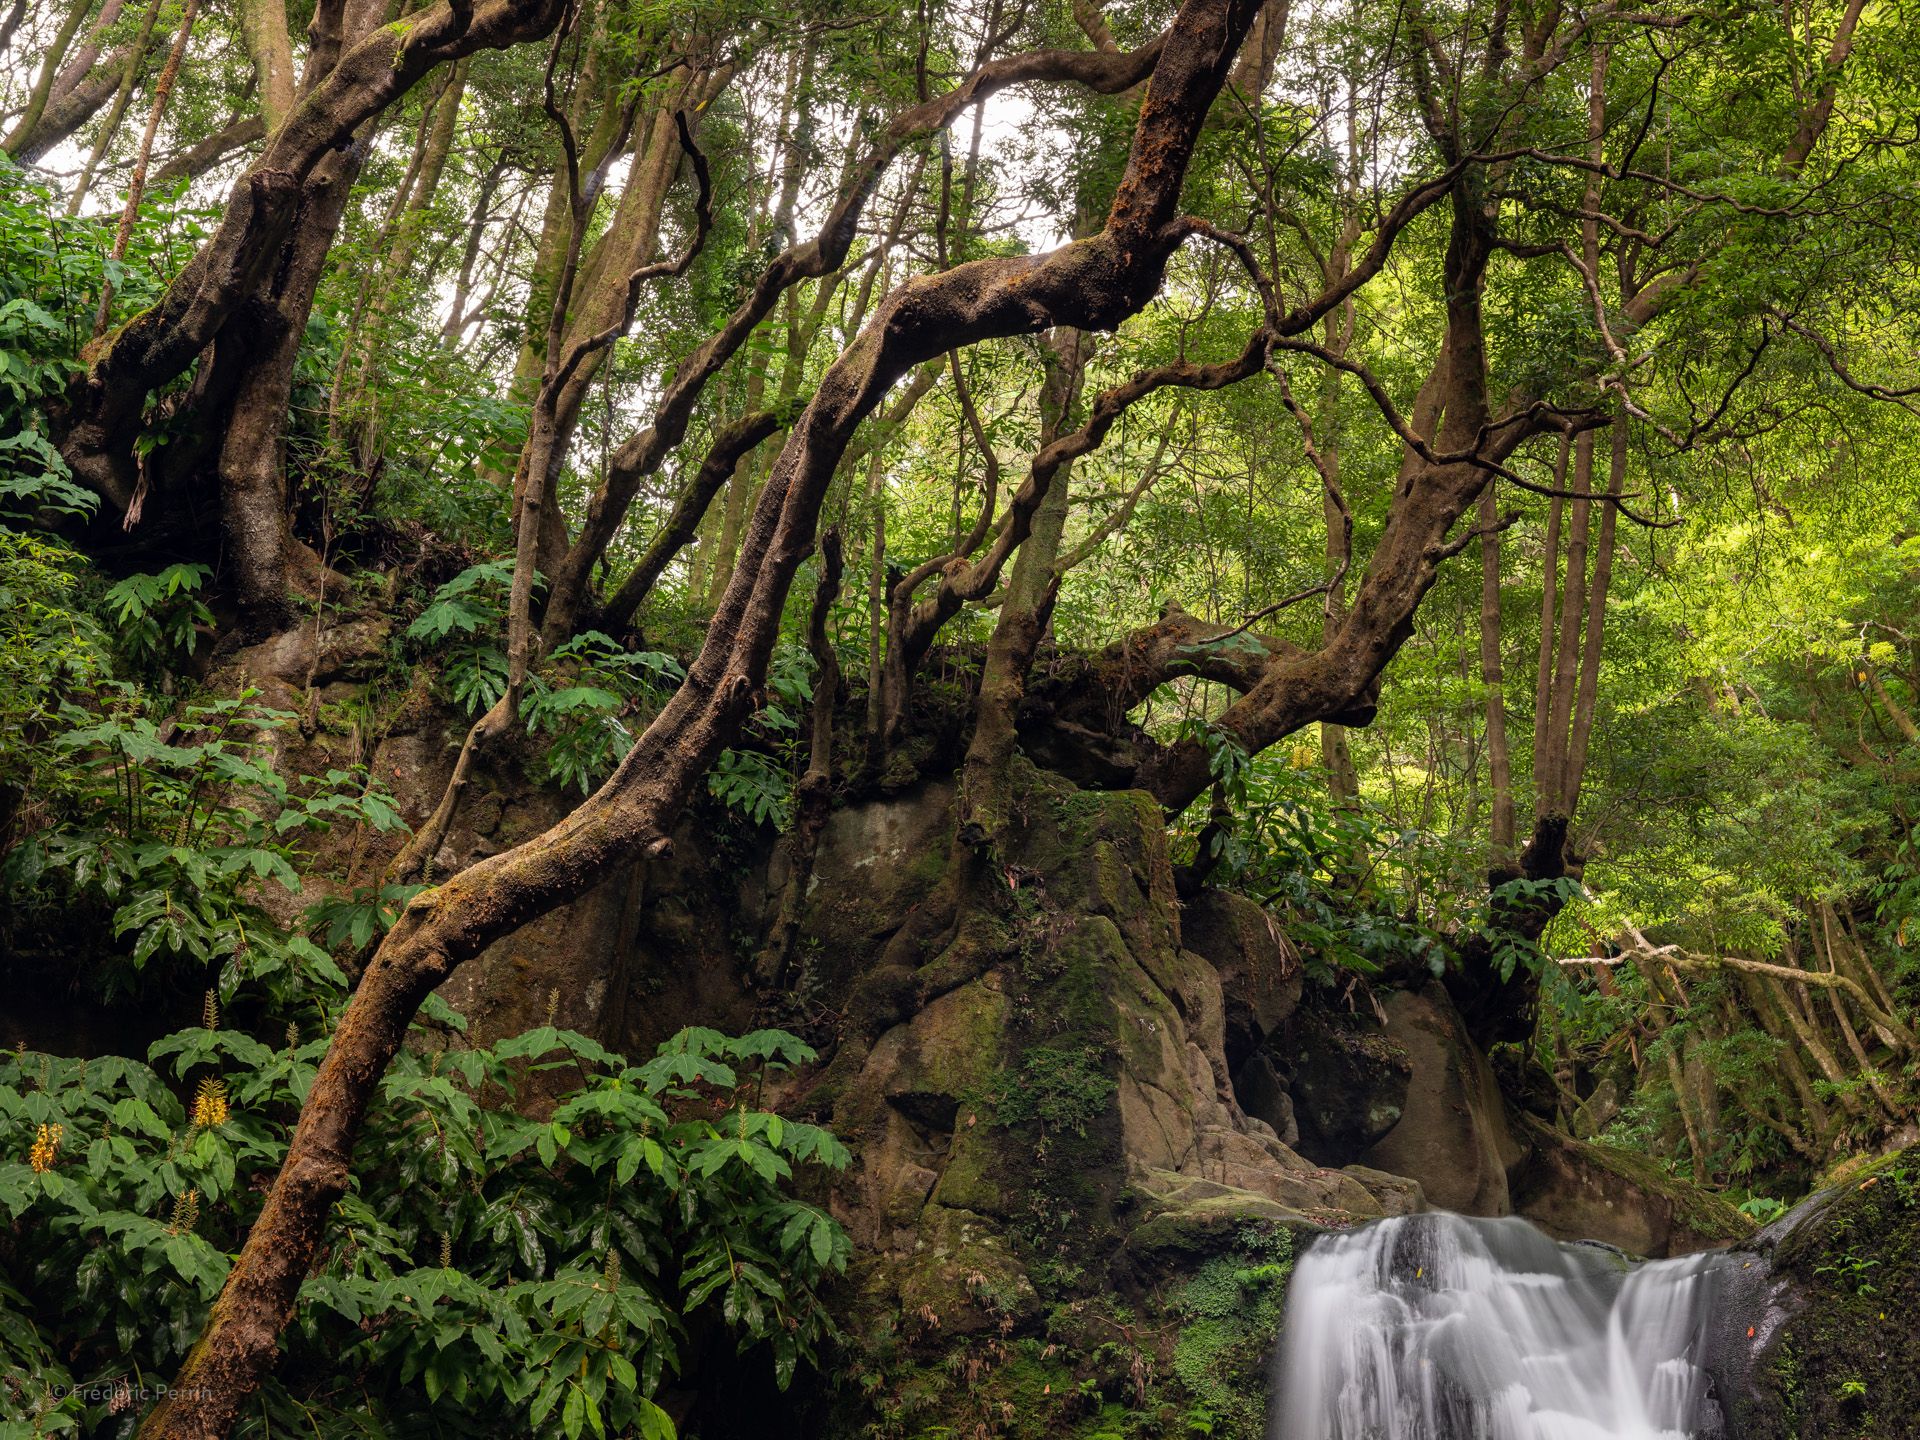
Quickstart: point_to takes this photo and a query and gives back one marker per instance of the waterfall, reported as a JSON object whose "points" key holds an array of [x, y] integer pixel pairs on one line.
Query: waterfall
{"points": [[1439, 1327]]}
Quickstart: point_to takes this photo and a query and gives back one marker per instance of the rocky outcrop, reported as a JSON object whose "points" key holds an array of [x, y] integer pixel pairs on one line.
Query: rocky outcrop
{"points": [[1260, 973], [1422, 1102], [1832, 1348], [1453, 1136], [1347, 1080], [1576, 1190], [1085, 1118], [1058, 1075]]}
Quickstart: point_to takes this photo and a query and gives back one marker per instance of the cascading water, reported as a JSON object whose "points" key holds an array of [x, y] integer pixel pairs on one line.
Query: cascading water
{"points": [[1439, 1327]]}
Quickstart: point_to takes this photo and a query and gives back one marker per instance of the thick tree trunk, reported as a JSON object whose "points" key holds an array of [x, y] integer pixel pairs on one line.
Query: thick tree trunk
{"points": [[1433, 495], [252, 467]]}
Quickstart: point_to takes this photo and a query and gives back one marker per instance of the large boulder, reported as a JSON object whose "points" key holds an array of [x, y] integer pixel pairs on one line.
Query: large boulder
{"points": [[1577, 1190], [1038, 1093], [1453, 1137], [1259, 969]]}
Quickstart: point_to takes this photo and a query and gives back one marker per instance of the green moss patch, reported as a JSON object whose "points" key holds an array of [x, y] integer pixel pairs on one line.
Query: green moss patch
{"points": [[1846, 1364]]}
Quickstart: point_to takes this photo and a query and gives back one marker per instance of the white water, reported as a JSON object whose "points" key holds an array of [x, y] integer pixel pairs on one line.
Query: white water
{"points": [[1438, 1327]]}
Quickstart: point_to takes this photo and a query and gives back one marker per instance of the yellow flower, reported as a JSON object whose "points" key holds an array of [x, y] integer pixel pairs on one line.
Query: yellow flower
{"points": [[46, 1149], [210, 1104]]}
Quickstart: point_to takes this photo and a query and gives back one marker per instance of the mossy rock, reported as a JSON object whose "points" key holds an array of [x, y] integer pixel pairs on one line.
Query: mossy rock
{"points": [[1843, 1363], [1578, 1190], [963, 1277]]}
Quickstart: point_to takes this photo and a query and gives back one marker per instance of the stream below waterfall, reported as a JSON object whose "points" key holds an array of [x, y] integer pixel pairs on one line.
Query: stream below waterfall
{"points": [[1440, 1327]]}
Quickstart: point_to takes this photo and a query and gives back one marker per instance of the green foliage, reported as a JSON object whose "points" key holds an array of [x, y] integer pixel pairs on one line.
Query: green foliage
{"points": [[597, 689], [1229, 1313], [159, 618], [52, 270], [462, 628], [169, 829], [1328, 868], [583, 699], [753, 786], [53, 654], [756, 785], [486, 1266]]}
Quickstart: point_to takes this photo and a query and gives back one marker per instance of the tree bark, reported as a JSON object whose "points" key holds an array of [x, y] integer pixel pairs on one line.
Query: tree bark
{"points": [[1433, 495], [252, 465], [270, 48], [1587, 694], [201, 156], [985, 796]]}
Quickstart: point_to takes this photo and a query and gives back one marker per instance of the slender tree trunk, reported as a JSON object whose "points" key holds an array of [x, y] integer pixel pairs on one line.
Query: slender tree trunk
{"points": [[122, 97], [813, 796], [793, 131], [1805, 1025], [22, 131], [81, 61], [1547, 760], [137, 181], [594, 96], [876, 740], [986, 795], [1492, 676], [457, 316], [1551, 779], [402, 242], [1682, 1103], [1336, 752]]}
